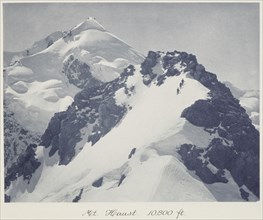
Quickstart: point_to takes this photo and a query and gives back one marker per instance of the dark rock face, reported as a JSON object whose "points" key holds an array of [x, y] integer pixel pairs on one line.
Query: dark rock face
{"points": [[160, 79], [78, 197], [51, 135], [243, 166], [7, 198], [203, 114], [132, 153], [78, 73], [191, 157], [244, 194], [168, 62], [109, 114], [93, 108], [147, 65], [69, 136], [171, 58], [98, 182], [26, 165], [129, 71], [245, 171], [16, 138], [220, 155], [190, 154], [121, 179], [223, 113]]}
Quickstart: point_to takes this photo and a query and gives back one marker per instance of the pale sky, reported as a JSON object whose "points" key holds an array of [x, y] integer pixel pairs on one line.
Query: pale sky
{"points": [[223, 36]]}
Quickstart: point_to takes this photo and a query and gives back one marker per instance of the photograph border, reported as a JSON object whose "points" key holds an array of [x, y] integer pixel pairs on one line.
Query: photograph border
{"points": [[181, 210]]}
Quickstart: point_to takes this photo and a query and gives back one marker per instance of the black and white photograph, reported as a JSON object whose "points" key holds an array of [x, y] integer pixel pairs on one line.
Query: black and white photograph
{"points": [[131, 102]]}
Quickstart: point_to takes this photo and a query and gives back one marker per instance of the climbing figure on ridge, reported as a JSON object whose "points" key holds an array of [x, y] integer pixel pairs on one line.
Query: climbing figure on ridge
{"points": [[181, 83]]}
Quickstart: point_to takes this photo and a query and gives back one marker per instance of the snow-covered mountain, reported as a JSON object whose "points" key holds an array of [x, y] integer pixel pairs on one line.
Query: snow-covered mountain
{"points": [[44, 79], [120, 127], [45, 82]]}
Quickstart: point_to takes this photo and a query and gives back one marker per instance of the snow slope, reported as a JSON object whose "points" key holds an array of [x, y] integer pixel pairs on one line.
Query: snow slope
{"points": [[156, 137], [37, 85], [11, 57]]}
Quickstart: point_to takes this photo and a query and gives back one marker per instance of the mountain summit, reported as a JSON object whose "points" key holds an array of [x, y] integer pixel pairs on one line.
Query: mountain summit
{"points": [[116, 126], [89, 23], [87, 54]]}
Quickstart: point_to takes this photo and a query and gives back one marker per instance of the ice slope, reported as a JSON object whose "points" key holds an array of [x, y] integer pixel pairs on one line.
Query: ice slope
{"points": [[154, 127], [45, 43], [37, 85], [11, 57]]}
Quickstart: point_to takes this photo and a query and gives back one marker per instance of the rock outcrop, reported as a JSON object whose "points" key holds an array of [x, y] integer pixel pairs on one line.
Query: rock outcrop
{"points": [[17, 138], [223, 113], [78, 73], [25, 166], [147, 65], [94, 109]]}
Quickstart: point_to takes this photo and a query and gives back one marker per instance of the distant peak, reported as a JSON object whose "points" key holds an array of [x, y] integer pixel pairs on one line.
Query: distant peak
{"points": [[89, 23]]}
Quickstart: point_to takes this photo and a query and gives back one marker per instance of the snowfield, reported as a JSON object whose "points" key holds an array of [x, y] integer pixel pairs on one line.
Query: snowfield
{"points": [[38, 90]]}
